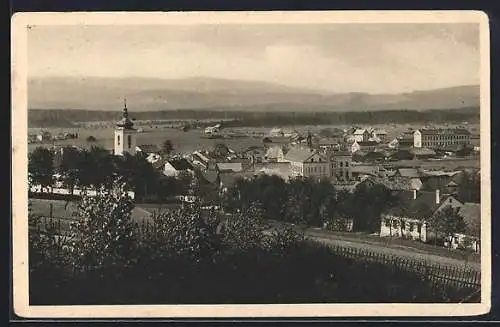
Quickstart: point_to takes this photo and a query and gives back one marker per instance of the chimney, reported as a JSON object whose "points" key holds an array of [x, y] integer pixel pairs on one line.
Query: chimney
{"points": [[437, 196], [414, 194]]}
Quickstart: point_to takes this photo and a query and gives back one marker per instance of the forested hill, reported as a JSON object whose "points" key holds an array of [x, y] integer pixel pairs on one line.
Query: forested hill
{"points": [[248, 117]]}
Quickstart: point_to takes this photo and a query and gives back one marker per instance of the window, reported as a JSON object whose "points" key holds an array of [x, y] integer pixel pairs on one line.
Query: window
{"points": [[347, 163], [450, 200], [341, 164], [118, 139], [387, 223], [129, 139]]}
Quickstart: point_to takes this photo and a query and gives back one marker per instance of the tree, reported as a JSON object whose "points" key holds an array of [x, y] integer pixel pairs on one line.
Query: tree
{"points": [[220, 151], [167, 147], [70, 167], [140, 175], [447, 222], [243, 231], [469, 187], [185, 232], [40, 166], [103, 234], [91, 139], [375, 200]]}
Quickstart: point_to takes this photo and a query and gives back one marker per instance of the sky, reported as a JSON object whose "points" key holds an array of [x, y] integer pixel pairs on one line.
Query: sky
{"points": [[373, 58]]}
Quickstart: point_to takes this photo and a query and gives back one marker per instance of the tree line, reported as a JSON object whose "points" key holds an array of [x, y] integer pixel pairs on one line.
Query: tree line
{"points": [[200, 257], [311, 202], [96, 167], [253, 117]]}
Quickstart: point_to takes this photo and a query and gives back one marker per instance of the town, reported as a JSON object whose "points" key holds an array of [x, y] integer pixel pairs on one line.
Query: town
{"points": [[354, 164], [254, 163]]}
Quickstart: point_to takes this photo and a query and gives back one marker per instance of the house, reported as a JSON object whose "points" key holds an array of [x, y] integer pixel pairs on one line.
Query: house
{"points": [[234, 167], [307, 162], [200, 159], [330, 143], [394, 184], [174, 167], [153, 158], [380, 134], [44, 136], [439, 138], [447, 181], [148, 149], [361, 135], [274, 154], [364, 146], [341, 166], [254, 154], [404, 141], [408, 218], [276, 132], [408, 172]]}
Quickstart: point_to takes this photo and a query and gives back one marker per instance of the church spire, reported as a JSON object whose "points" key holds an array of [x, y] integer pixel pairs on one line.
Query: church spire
{"points": [[125, 122]]}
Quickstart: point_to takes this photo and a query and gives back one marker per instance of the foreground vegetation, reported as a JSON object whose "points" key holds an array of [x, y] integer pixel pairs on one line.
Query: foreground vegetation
{"points": [[193, 256]]}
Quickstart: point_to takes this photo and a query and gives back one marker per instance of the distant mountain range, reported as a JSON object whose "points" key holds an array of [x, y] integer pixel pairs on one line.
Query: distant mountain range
{"points": [[148, 94]]}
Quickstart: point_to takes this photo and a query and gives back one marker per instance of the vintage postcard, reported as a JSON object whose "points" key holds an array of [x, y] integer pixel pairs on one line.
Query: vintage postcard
{"points": [[251, 164]]}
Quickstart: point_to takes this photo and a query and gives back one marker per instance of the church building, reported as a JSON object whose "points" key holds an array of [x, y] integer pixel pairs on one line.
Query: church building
{"points": [[125, 135]]}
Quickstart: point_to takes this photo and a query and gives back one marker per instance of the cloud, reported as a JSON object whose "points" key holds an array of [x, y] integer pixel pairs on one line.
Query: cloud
{"points": [[377, 58]]}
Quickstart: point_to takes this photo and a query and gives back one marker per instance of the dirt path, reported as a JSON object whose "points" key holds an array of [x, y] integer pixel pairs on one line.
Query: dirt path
{"points": [[395, 250]]}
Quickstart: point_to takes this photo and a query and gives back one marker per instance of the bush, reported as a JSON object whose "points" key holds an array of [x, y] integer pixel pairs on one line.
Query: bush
{"points": [[193, 256]]}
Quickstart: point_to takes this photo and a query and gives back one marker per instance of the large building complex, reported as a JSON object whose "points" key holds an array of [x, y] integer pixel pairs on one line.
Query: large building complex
{"points": [[440, 138]]}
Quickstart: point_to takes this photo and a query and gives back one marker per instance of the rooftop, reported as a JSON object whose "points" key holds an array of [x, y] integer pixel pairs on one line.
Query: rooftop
{"points": [[299, 154], [180, 164], [441, 131], [415, 208], [148, 148]]}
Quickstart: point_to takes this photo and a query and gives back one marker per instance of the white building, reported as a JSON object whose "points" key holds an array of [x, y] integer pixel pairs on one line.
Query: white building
{"points": [[125, 135], [307, 163]]}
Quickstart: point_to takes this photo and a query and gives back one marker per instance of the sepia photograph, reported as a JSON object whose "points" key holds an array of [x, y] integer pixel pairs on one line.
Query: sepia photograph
{"points": [[251, 164]]}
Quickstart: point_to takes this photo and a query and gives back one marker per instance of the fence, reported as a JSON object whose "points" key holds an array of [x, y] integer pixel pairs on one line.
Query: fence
{"points": [[448, 276]]}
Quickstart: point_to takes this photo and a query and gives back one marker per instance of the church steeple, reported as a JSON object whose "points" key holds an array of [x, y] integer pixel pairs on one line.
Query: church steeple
{"points": [[125, 134], [125, 122]]}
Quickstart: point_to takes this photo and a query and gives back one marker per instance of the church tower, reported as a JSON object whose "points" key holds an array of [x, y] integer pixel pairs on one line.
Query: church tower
{"points": [[125, 134]]}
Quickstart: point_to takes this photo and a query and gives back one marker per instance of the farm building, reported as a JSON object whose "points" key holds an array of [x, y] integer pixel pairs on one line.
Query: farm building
{"points": [[408, 218]]}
